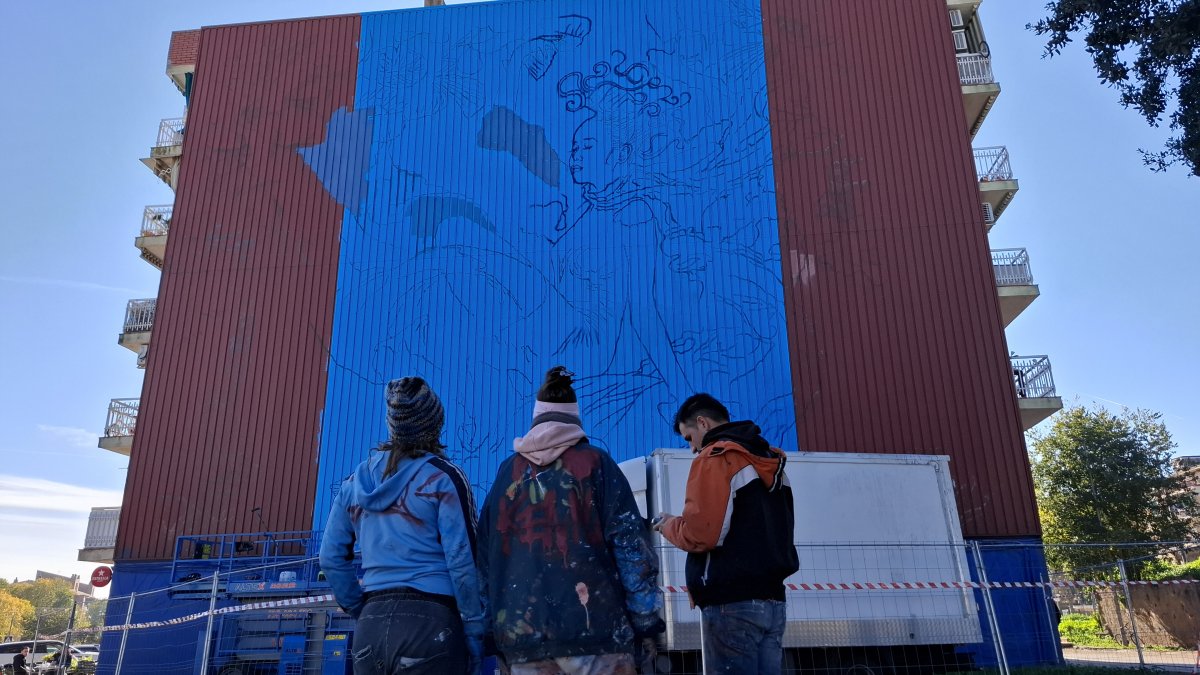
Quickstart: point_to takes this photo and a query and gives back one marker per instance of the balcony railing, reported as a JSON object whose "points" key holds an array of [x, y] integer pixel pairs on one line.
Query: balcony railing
{"points": [[156, 220], [991, 164], [170, 132], [102, 527], [1032, 376], [122, 417], [975, 69], [1012, 267], [139, 315]]}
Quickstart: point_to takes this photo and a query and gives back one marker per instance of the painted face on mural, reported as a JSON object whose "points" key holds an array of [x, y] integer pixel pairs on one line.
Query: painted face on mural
{"points": [[600, 157], [615, 149]]}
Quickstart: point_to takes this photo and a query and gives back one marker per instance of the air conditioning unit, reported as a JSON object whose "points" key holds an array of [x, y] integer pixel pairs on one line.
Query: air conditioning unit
{"points": [[143, 354], [989, 216], [956, 20], [960, 40]]}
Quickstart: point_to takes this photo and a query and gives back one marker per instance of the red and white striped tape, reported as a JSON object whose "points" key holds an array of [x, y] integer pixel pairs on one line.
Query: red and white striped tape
{"points": [[827, 586]]}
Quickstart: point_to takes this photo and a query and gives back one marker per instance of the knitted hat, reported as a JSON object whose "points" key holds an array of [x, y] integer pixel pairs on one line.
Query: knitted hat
{"points": [[414, 413]]}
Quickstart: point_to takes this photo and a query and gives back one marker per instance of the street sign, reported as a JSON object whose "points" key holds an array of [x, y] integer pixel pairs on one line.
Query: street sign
{"points": [[101, 576]]}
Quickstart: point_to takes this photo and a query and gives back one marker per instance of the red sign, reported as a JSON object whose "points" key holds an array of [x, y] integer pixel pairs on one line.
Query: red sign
{"points": [[101, 576]]}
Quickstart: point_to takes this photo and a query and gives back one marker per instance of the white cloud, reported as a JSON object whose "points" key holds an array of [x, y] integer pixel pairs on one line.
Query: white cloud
{"points": [[79, 438], [77, 285], [43, 524]]}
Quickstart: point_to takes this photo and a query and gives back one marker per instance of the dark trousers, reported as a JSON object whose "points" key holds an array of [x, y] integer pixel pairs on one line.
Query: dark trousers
{"points": [[744, 638], [407, 632]]}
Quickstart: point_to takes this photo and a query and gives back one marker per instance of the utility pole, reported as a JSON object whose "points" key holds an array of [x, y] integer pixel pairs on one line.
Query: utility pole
{"points": [[65, 658]]}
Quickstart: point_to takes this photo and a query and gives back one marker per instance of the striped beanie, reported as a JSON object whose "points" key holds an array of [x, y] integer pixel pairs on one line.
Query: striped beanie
{"points": [[414, 412]]}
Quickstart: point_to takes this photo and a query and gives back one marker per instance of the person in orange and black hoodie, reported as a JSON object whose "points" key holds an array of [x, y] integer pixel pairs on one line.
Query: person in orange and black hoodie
{"points": [[565, 559], [737, 528]]}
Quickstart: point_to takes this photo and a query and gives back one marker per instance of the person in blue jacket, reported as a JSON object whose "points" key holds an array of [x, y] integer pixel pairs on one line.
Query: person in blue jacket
{"points": [[411, 513], [568, 572]]}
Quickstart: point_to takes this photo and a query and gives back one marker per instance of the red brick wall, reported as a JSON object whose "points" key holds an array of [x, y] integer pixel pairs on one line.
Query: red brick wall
{"points": [[184, 49]]}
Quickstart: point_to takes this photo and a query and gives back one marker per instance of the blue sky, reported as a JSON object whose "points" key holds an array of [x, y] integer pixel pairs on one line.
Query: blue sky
{"points": [[84, 89]]}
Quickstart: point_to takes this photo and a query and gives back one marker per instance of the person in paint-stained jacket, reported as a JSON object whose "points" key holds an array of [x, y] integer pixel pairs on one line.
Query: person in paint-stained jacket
{"points": [[412, 514], [737, 527], [568, 572]]}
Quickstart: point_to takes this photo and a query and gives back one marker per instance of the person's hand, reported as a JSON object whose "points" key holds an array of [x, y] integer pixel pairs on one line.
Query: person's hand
{"points": [[659, 521]]}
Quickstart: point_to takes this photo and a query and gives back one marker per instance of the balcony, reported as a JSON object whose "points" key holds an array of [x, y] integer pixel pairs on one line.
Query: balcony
{"points": [[1014, 282], [167, 151], [152, 237], [1036, 396], [139, 319], [979, 88], [101, 539], [997, 185], [118, 428]]}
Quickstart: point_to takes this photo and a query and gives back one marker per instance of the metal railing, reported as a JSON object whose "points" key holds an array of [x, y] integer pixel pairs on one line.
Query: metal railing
{"points": [[156, 220], [139, 315], [1032, 376], [170, 132], [975, 69], [122, 417], [102, 527], [992, 164], [1012, 267]]}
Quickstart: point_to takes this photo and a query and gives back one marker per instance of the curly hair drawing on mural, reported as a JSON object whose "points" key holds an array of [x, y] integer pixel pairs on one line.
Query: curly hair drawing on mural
{"points": [[588, 194], [637, 168]]}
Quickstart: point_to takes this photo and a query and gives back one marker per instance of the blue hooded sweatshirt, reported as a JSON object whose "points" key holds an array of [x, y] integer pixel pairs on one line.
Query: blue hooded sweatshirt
{"points": [[415, 529]]}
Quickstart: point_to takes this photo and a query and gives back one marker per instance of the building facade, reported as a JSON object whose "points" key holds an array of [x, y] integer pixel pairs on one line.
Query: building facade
{"points": [[775, 202]]}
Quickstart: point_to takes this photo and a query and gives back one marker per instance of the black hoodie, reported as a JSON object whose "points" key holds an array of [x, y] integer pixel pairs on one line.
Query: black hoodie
{"points": [[738, 519]]}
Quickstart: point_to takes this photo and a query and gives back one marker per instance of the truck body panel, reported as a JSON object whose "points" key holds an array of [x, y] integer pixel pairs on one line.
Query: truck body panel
{"points": [[860, 519]]}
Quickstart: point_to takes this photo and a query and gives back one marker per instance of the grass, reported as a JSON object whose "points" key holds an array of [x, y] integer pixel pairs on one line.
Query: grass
{"points": [[1083, 630]]}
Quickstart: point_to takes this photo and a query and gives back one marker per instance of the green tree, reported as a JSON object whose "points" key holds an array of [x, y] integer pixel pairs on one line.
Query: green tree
{"points": [[51, 599], [1150, 51], [95, 610], [1104, 478]]}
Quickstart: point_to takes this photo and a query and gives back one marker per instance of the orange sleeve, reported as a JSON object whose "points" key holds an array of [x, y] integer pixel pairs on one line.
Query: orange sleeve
{"points": [[705, 504]]}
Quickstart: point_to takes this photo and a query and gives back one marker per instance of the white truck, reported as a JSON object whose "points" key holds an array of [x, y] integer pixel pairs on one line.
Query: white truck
{"points": [[863, 520]]}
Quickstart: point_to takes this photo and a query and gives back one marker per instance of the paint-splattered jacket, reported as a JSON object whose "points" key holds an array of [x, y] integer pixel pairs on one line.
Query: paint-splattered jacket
{"points": [[565, 559], [415, 529]]}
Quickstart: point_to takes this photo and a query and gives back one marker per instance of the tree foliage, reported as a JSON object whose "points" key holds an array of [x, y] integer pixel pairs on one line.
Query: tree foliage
{"points": [[44, 592], [1150, 51], [51, 600], [14, 612], [96, 609], [1105, 478]]}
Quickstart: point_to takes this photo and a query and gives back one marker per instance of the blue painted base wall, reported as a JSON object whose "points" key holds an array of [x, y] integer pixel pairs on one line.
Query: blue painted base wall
{"points": [[1022, 614], [165, 650]]}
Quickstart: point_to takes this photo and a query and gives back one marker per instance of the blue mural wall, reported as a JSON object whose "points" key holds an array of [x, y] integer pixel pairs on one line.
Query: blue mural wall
{"points": [[536, 183]]}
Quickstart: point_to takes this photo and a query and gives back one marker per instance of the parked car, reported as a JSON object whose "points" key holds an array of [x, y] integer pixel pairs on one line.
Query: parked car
{"points": [[43, 649]]}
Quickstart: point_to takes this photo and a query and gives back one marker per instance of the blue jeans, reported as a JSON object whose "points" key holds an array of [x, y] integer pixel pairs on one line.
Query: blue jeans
{"points": [[744, 637], [411, 634]]}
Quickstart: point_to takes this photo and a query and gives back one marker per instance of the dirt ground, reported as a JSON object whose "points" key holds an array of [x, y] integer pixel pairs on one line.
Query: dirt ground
{"points": [[1184, 660]]}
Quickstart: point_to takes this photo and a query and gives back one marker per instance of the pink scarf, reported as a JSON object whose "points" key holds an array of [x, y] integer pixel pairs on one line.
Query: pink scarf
{"points": [[548, 440]]}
